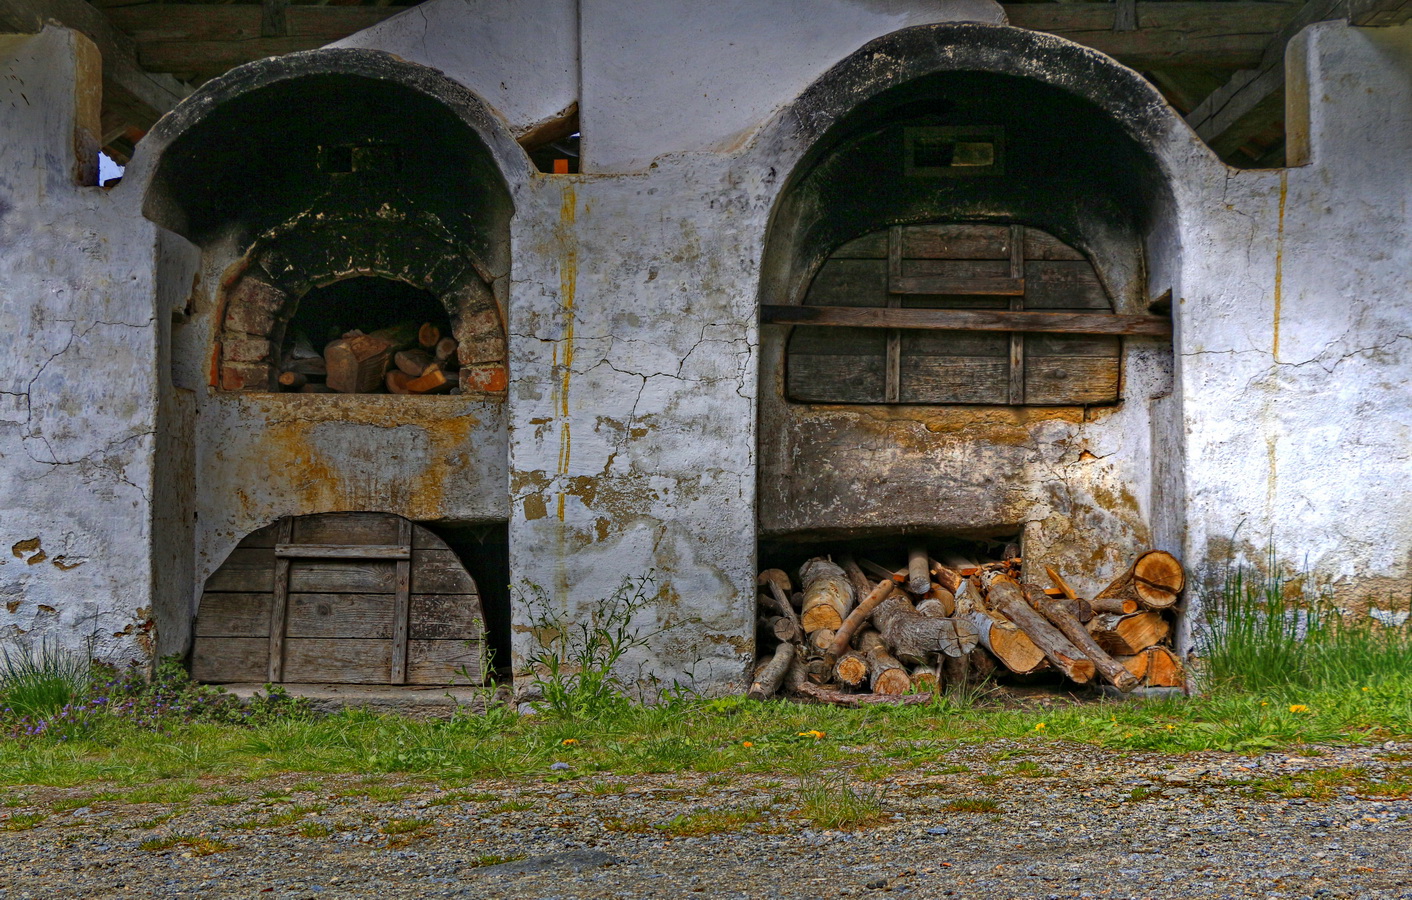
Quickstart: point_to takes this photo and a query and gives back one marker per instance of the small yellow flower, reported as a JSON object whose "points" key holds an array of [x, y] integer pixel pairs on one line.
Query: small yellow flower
{"points": [[568, 741], [1366, 690], [1039, 726], [1171, 728], [1298, 708], [1263, 703], [746, 744], [813, 733]]}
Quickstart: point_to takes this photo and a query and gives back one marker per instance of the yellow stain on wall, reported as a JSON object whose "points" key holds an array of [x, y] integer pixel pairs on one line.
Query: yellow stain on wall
{"points": [[568, 281], [1279, 263]]}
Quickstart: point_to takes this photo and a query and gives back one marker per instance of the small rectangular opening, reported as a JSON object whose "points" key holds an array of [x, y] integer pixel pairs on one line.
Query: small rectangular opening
{"points": [[937, 151]]}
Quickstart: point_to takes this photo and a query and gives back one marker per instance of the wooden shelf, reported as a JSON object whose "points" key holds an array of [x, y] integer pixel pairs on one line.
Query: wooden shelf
{"points": [[967, 320]]}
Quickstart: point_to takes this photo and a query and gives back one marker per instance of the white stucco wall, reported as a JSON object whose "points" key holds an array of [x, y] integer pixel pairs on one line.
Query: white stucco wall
{"points": [[662, 78], [1296, 345], [521, 56], [78, 355]]}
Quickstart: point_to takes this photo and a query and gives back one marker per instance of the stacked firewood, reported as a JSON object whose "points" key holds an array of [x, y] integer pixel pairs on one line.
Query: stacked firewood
{"points": [[405, 358], [856, 632]]}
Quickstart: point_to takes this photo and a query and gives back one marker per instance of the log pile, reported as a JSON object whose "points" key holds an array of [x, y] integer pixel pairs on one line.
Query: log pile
{"points": [[856, 632], [405, 358]]}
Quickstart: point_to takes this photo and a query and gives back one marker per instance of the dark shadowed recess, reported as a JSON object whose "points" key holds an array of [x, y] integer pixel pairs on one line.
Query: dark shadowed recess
{"points": [[484, 549], [254, 159], [1069, 168], [326, 313]]}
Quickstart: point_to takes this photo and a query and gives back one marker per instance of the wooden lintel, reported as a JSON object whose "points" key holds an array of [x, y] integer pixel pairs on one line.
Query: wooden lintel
{"points": [[967, 320], [1379, 13], [1252, 101], [137, 97]]}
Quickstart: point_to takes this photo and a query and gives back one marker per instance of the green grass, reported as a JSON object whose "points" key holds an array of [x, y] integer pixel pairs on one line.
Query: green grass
{"points": [[22, 821], [671, 739], [39, 681], [198, 845], [405, 826], [840, 806], [711, 821], [1273, 634]]}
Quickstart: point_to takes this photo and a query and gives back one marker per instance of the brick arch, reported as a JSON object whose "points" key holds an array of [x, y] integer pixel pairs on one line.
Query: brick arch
{"points": [[261, 292]]}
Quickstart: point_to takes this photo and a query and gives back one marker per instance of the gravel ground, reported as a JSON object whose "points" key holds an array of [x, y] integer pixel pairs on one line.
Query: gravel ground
{"points": [[1084, 823]]}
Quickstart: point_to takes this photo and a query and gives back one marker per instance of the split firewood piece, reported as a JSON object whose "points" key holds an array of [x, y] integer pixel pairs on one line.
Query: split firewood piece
{"points": [[1006, 597], [1119, 605], [1006, 642], [432, 381], [822, 639], [1060, 583], [396, 381], [934, 607], [797, 683], [1078, 607], [1164, 669], [924, 678], [919, 576], [414, 361], [861, 586], [783, 629], [946, 576], [428, 336], [857, 617], [1154, 580], [445, 353], [1126, 635], [292, 380], [942, 596], [357, 364], [777, 580], [769, 676], [1059, 615], [851, 669], [886, 674], [915, 638], [828, 596]]}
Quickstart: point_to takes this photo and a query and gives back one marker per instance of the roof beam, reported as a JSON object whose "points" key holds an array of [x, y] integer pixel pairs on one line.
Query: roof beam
{"points": [[202, 40], [131, 96], [1230, 34], [1252, 101], [1379, 12]]}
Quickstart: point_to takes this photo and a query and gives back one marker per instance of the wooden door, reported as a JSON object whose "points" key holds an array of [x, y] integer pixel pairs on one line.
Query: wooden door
{"points": [[358, 598]]}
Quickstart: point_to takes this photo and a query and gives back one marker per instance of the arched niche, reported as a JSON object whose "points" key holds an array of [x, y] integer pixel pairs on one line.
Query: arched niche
{"points": [[334, 164], [944, 129]]}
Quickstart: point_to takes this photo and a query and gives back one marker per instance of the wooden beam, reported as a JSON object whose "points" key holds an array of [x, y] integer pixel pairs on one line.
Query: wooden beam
{"points": [[1379, 13], [1227, 34], [130, 95], [1253, 100], [965, 320], [206, 40]]}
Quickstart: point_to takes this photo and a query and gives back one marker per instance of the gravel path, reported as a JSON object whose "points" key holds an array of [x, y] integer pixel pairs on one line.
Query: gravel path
{"points": [[1072, 822]]}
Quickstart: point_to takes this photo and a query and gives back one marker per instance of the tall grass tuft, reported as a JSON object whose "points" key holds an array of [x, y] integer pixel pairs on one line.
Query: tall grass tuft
{"points": [[39, 681], [1268, 632]]}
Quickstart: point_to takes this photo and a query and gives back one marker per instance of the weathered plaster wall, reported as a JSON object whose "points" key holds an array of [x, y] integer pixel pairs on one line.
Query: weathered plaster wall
{"points": [[666, 78], [522, 56], [79, 341], [1296, 344]]}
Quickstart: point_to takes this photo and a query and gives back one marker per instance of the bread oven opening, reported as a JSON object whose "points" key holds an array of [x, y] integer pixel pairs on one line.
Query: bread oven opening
{"points": [[960, 349], [368, 335]]}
